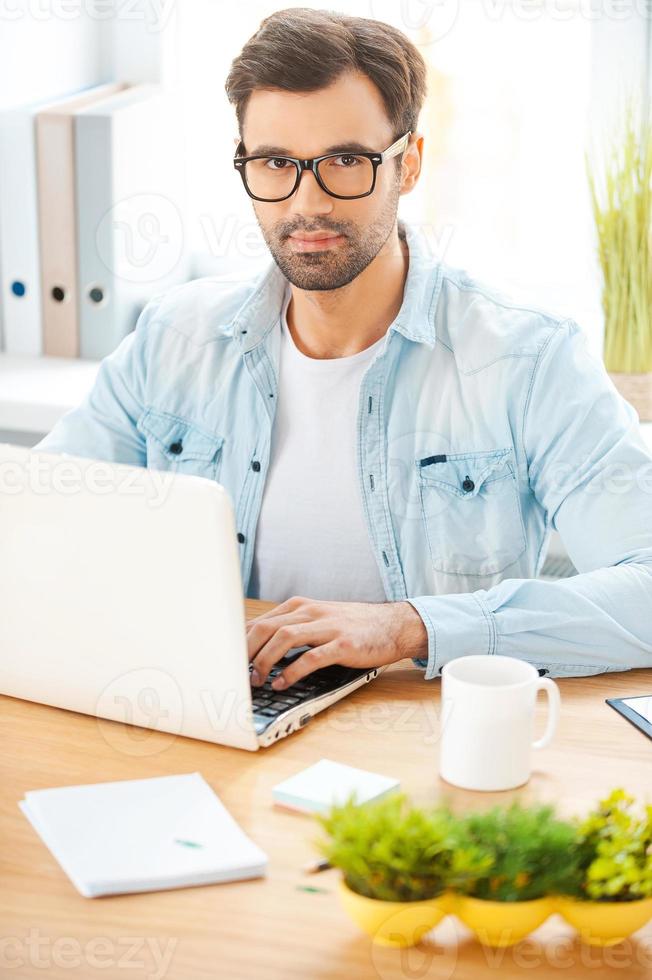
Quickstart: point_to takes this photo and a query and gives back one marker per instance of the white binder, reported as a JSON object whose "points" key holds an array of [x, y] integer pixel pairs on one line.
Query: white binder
{"points": [[55, 164], [21, 291], [130, 204], [19, 249]]}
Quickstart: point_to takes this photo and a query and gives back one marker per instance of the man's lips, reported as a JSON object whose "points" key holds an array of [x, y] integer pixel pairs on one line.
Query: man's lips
{"points": [[315, 241]]}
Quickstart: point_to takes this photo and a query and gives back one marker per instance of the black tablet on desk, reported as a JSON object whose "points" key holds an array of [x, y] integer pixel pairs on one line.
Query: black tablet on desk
{"points": [[637, 710]]}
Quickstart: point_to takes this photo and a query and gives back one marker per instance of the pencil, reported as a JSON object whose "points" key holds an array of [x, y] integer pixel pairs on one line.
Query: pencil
{"points": [[315, 866]]}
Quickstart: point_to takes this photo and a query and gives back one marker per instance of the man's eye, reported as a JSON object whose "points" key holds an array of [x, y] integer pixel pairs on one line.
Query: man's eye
{"points": [[277, 163], [346, 160]]}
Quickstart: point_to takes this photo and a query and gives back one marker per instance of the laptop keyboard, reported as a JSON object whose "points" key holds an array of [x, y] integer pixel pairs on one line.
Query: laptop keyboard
{"points": [[268, 703]]}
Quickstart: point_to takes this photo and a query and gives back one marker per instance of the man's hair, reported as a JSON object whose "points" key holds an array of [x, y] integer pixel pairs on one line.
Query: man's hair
{"points": [[303, 50]]}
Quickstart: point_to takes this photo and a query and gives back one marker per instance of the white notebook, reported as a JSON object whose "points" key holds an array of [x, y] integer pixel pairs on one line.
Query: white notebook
{"points": [[142, 835]]}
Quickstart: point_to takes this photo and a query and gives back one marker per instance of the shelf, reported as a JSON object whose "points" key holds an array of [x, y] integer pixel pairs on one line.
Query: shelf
{"points": [[36, 391]]}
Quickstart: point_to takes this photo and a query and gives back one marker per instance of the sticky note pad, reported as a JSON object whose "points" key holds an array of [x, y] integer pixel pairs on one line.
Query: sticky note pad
{"points": [[317, 788]]}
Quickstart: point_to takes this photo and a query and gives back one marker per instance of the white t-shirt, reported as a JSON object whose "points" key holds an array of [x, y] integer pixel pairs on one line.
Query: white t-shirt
{"points": [[311, 538]]}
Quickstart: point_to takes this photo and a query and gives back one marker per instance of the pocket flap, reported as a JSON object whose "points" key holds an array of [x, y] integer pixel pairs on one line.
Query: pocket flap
{"points": [[464, 474], [179, 438]]}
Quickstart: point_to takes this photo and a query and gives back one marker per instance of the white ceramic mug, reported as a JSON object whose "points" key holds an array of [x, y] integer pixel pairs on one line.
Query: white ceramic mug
{"points": [[487, 719]]}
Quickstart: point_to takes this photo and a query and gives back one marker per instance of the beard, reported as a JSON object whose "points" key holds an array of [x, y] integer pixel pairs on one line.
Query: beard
{"points": [[334, 267]]}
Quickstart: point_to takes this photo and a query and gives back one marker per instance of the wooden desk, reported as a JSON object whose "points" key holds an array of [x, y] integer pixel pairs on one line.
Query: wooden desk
{"points": [[269, 928]]}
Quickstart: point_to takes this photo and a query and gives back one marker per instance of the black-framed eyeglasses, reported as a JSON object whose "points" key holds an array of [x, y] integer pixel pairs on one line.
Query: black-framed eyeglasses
{"points": [[343, 175]]}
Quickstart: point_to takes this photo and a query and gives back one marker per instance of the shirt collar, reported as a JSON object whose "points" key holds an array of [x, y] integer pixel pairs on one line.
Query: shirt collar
{"points": [[415, 320]]}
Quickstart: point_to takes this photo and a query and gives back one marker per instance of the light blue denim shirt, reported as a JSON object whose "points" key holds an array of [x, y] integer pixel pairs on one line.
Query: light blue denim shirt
{"points": [[481, 425]]}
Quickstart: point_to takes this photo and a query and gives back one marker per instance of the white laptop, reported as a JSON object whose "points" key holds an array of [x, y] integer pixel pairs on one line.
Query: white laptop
{"points": [[121, 597]]}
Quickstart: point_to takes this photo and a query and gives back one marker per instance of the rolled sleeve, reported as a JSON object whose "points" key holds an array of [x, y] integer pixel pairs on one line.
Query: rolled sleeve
{"points": [[457, 625], [589, 469]]}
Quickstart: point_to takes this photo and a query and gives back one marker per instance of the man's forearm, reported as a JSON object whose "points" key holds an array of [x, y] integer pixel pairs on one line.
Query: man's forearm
{"points": [[593, 622]]}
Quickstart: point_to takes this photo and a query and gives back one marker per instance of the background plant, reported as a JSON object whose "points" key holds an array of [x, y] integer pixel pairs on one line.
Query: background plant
{"points": [[531, 853], [394, 851], [622, 209], [616, 850]]}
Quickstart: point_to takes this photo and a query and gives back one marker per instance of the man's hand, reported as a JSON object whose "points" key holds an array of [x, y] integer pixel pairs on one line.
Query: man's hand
{"points": [[354, 634]]}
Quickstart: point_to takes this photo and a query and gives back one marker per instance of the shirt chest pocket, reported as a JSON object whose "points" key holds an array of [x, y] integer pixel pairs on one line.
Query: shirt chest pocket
{"points": [[471, 511], [177, 444]]}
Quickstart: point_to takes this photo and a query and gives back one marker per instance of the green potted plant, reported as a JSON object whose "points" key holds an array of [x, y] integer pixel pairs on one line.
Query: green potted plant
{"points": [[621, 196], [531, 857], [398, 862], [613, 897]]}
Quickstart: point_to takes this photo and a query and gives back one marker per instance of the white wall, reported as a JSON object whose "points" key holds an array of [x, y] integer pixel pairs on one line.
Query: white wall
{"points": [[44, 54], [49, 48]]}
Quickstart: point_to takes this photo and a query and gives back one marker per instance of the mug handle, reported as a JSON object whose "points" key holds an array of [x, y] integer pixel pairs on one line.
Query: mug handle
{"points": [[554, 703]]}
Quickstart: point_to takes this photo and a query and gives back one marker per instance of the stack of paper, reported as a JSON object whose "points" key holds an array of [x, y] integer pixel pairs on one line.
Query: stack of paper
{"points": [[142, 835]]}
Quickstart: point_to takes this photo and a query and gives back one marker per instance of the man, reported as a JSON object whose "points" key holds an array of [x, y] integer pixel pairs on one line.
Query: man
{"points": [[397, 438]]}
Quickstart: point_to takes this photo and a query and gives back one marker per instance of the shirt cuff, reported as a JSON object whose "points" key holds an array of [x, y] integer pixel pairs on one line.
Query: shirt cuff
{"points": [[457, 625]]}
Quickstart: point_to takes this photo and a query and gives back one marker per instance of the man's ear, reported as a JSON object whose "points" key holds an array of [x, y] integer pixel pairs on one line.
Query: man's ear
{"points": [[411, 163]]}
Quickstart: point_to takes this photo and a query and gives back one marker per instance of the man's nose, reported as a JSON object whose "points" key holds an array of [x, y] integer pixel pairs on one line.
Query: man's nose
{"points": [[309, 198]]}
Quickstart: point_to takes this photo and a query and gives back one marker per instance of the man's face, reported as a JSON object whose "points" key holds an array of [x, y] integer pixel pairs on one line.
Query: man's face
{"points": [[307, 125]]}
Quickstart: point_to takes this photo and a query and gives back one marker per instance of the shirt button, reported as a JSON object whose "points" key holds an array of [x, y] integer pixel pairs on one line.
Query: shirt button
{"points": [[176, 448], [468, 485], [255, 466], [241, 537]]}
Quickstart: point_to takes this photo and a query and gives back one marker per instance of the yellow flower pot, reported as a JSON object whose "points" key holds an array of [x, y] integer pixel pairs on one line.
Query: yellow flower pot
{"points": [[393, 923], [502, 923], [605, 923]]}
